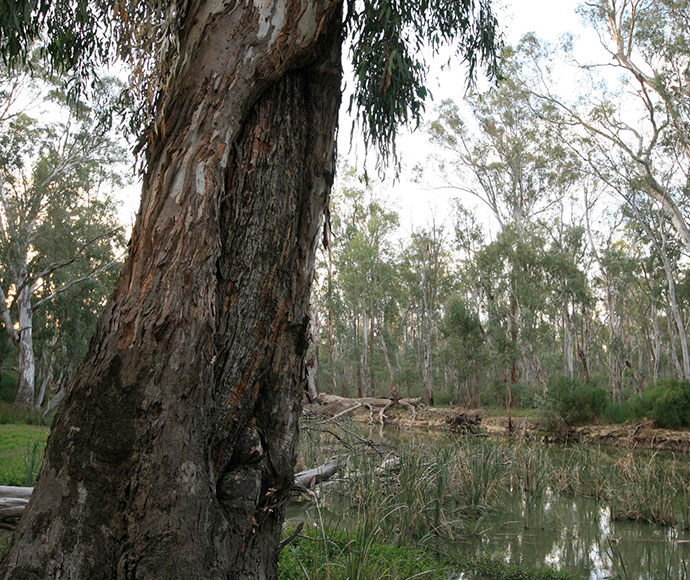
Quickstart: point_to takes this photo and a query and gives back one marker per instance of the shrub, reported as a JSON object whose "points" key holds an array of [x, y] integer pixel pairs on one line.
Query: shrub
{"points": [[8, 386], [573, 401], [627, 410], [523, 396], [10, 413], [442, 399], [668, 403]]}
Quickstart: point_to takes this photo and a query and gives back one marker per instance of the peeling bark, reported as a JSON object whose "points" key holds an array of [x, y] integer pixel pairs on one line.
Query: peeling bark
{"points": [[172, 454]]}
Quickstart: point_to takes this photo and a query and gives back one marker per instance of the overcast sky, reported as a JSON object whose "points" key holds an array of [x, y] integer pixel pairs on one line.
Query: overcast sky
{"points": [[417, 204]]}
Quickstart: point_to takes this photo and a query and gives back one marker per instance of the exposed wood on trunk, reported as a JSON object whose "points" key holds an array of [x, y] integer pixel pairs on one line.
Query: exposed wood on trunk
{"points": [[313, 362], [201, 348]]}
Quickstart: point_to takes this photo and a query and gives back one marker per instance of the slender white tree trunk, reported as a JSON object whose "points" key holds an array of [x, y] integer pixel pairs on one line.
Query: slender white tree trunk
{"points": [[657, 342], [568, 356], [672, 344], [673, 303], [366, 373], [26, 365]]}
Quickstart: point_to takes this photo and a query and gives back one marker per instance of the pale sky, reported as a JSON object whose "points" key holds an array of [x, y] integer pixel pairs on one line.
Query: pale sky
{"points": [[418, 204]]}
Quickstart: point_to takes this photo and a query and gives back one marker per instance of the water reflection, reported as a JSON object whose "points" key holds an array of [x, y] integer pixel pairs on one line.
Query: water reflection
{"points": [[577, 534]]}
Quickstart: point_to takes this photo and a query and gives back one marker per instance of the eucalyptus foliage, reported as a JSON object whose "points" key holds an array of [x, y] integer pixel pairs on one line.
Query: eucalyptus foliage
{"points": [[389, 43], [389, 40]]}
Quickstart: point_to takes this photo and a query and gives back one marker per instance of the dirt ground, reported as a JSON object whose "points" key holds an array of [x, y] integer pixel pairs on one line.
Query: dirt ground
{"points": [[639, 435]]}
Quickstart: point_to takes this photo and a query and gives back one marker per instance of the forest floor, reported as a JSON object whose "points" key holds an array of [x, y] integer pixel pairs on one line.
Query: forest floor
{"points": [[629, 435]]}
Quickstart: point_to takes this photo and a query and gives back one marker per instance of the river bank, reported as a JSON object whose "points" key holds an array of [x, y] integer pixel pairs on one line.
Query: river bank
{"points": [[414, 415]]}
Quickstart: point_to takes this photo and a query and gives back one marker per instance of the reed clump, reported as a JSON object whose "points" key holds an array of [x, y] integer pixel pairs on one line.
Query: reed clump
{"points": [[644, 490]]}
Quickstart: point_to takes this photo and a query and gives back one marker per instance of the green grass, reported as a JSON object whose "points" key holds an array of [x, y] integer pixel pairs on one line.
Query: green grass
{"points": [[335, 555], [21, 453]]}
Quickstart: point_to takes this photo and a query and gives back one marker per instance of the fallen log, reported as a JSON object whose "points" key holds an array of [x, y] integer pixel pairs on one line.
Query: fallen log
{"points": [[11, 507], [13, 500], [465, 421], [310, 477], [18, 492]]}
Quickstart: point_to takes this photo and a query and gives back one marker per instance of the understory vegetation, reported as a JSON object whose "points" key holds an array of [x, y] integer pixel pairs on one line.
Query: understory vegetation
{"points": [[21, 453], [572, 402]]}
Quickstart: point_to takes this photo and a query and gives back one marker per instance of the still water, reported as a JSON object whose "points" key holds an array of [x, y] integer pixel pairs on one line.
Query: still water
{"points": [[567, 532], [577, 534]]}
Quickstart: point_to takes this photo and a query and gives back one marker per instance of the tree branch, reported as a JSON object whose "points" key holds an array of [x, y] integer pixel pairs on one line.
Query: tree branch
{"points": [[77, 281]]}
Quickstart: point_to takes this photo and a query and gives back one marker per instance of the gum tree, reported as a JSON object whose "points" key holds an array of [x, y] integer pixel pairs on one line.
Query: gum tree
{"points": [[56, 230], [172, 454]]}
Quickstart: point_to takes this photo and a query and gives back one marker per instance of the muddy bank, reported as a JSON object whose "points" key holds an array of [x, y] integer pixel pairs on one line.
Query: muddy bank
{"points": [[413, 414]]}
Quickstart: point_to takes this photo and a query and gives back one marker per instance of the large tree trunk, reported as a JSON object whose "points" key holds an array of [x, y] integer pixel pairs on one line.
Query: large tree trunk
{"points": [[172, 454]]}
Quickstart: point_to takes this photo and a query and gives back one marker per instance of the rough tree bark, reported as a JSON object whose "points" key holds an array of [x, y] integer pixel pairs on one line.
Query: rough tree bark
{"points": [[172, 455]]}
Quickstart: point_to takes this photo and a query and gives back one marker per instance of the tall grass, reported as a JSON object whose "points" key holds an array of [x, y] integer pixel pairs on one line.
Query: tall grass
{"points": [[480, 475], [644, 490], [582, 471], [389, 513]]}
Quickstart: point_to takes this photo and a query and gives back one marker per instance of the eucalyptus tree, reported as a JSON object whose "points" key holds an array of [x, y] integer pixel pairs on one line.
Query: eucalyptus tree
{"points": [[427, 273], [172, 454], [617, 272], [56, 229], [653, 227], [469, 239], [508, 152], [366, 276], [642, 123], [566, 263], [513, 274], [465, 347]]}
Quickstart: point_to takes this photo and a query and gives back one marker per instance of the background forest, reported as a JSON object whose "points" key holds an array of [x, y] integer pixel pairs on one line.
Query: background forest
{"points": [[558, 278]]}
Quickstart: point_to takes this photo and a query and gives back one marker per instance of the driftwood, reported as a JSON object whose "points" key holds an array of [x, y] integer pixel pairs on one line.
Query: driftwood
{"points": [[11, 507], [13, 500], [373, 404], [465, 421], [308, 478], [15, 492]]}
